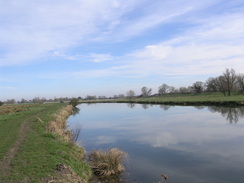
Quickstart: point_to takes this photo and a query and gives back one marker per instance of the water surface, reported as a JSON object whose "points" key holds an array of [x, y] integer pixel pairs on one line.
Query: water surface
{"points": [[189, 144]]}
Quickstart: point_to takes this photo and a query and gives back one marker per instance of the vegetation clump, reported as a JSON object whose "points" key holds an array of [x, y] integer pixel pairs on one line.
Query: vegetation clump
{"points": [[107, 165], [74, 102], [10, 109], [58, 125]]}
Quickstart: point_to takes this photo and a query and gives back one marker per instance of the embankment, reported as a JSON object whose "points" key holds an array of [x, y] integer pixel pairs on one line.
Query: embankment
{"points": [[42, 155]]}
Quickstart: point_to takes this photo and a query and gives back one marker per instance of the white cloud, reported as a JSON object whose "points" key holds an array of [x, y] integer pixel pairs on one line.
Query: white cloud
{"points": [[31, 29], [45, 28], [155, 52], [206, 49], [101, 57]]}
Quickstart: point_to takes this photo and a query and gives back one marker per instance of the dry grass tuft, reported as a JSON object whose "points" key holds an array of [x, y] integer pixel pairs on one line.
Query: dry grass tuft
{"points": [[39, 119], [106, 164], [58, 125]]}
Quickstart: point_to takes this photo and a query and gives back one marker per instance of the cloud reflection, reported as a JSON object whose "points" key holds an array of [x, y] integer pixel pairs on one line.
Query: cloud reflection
{"points": [[168, 128], [182, 142], [104, 140]]}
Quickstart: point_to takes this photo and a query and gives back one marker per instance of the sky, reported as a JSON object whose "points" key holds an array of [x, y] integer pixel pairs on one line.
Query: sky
{"points": [[72, 48]]}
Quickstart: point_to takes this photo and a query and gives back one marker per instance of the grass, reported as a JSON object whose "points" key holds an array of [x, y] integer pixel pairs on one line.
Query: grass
{"points": [[10, 124], [184, 99], [58, 125], [107, 165], [41, 151], [10, 109]]}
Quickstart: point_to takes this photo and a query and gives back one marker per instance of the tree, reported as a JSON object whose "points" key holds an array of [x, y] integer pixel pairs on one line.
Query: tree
{"points": [[146, 91], [211, 85], [121, 96], [130, 94], [240, 82], [74, 102], [164, 88], [38, 100], [11, 101], [183, 90], [102, 97], [23, 100], [229, 79], [172, 89], [198, 87], [89, 97], [1, 103], [220, 84]]}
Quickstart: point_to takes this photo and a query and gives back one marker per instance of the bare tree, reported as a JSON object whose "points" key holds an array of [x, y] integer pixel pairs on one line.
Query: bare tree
{"points": [[91, 97], [38, 100], [211, 85], [121, 96], [183, 90], [164, 88], [172, 89], [198, 87], [11, 101], [146, 91], [240, 82], [130, 94], [229, 79], [23, 100], [220, 83]]}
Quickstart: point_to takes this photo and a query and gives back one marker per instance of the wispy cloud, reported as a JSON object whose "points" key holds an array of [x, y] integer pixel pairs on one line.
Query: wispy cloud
{"points": [[118, 39], [33, 29], [101, 57], [208, 48]]}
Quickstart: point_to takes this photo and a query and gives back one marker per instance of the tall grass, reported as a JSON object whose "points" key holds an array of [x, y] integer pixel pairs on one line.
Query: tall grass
{"points": [[108, 164], [58, 125]]}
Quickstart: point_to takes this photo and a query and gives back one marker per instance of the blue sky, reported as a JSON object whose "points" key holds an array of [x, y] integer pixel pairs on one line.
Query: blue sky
{"points": [[76, 48]]}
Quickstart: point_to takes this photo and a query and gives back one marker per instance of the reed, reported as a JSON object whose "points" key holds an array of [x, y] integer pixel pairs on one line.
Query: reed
{"points": [[107, 164], [58, 125]]}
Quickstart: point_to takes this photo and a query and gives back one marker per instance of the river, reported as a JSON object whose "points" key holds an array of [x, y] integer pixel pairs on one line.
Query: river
{"points": [[188, 144]]}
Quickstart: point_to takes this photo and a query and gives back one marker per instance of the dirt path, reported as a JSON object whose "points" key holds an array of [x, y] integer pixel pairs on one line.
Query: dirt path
{"points": [[5, 163]]}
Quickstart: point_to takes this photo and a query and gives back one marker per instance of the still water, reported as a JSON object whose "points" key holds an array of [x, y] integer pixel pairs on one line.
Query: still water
{"points": [[189, 144]]}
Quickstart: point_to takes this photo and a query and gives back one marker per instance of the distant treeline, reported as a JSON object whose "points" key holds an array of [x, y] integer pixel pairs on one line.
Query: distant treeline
{"points": [[226, 83]]}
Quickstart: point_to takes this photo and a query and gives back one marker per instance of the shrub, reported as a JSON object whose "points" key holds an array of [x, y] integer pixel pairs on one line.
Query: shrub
{"points": [[74, 102]]}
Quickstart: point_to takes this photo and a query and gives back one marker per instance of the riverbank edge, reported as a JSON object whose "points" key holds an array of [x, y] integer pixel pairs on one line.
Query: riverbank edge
{"points": [[66, 138], [177, 103]]}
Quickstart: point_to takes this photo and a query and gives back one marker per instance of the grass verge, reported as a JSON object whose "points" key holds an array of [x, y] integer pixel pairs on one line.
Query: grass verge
{"points": [[216, 99], [38, 157]]}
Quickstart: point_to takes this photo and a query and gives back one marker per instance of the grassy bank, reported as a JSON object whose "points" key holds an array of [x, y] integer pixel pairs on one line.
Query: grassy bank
{"points": [[29, 153], [182, 99]]}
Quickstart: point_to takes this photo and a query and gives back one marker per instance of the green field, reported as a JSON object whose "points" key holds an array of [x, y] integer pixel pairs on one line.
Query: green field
{"points": [[28, 153], [183, 99]]}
